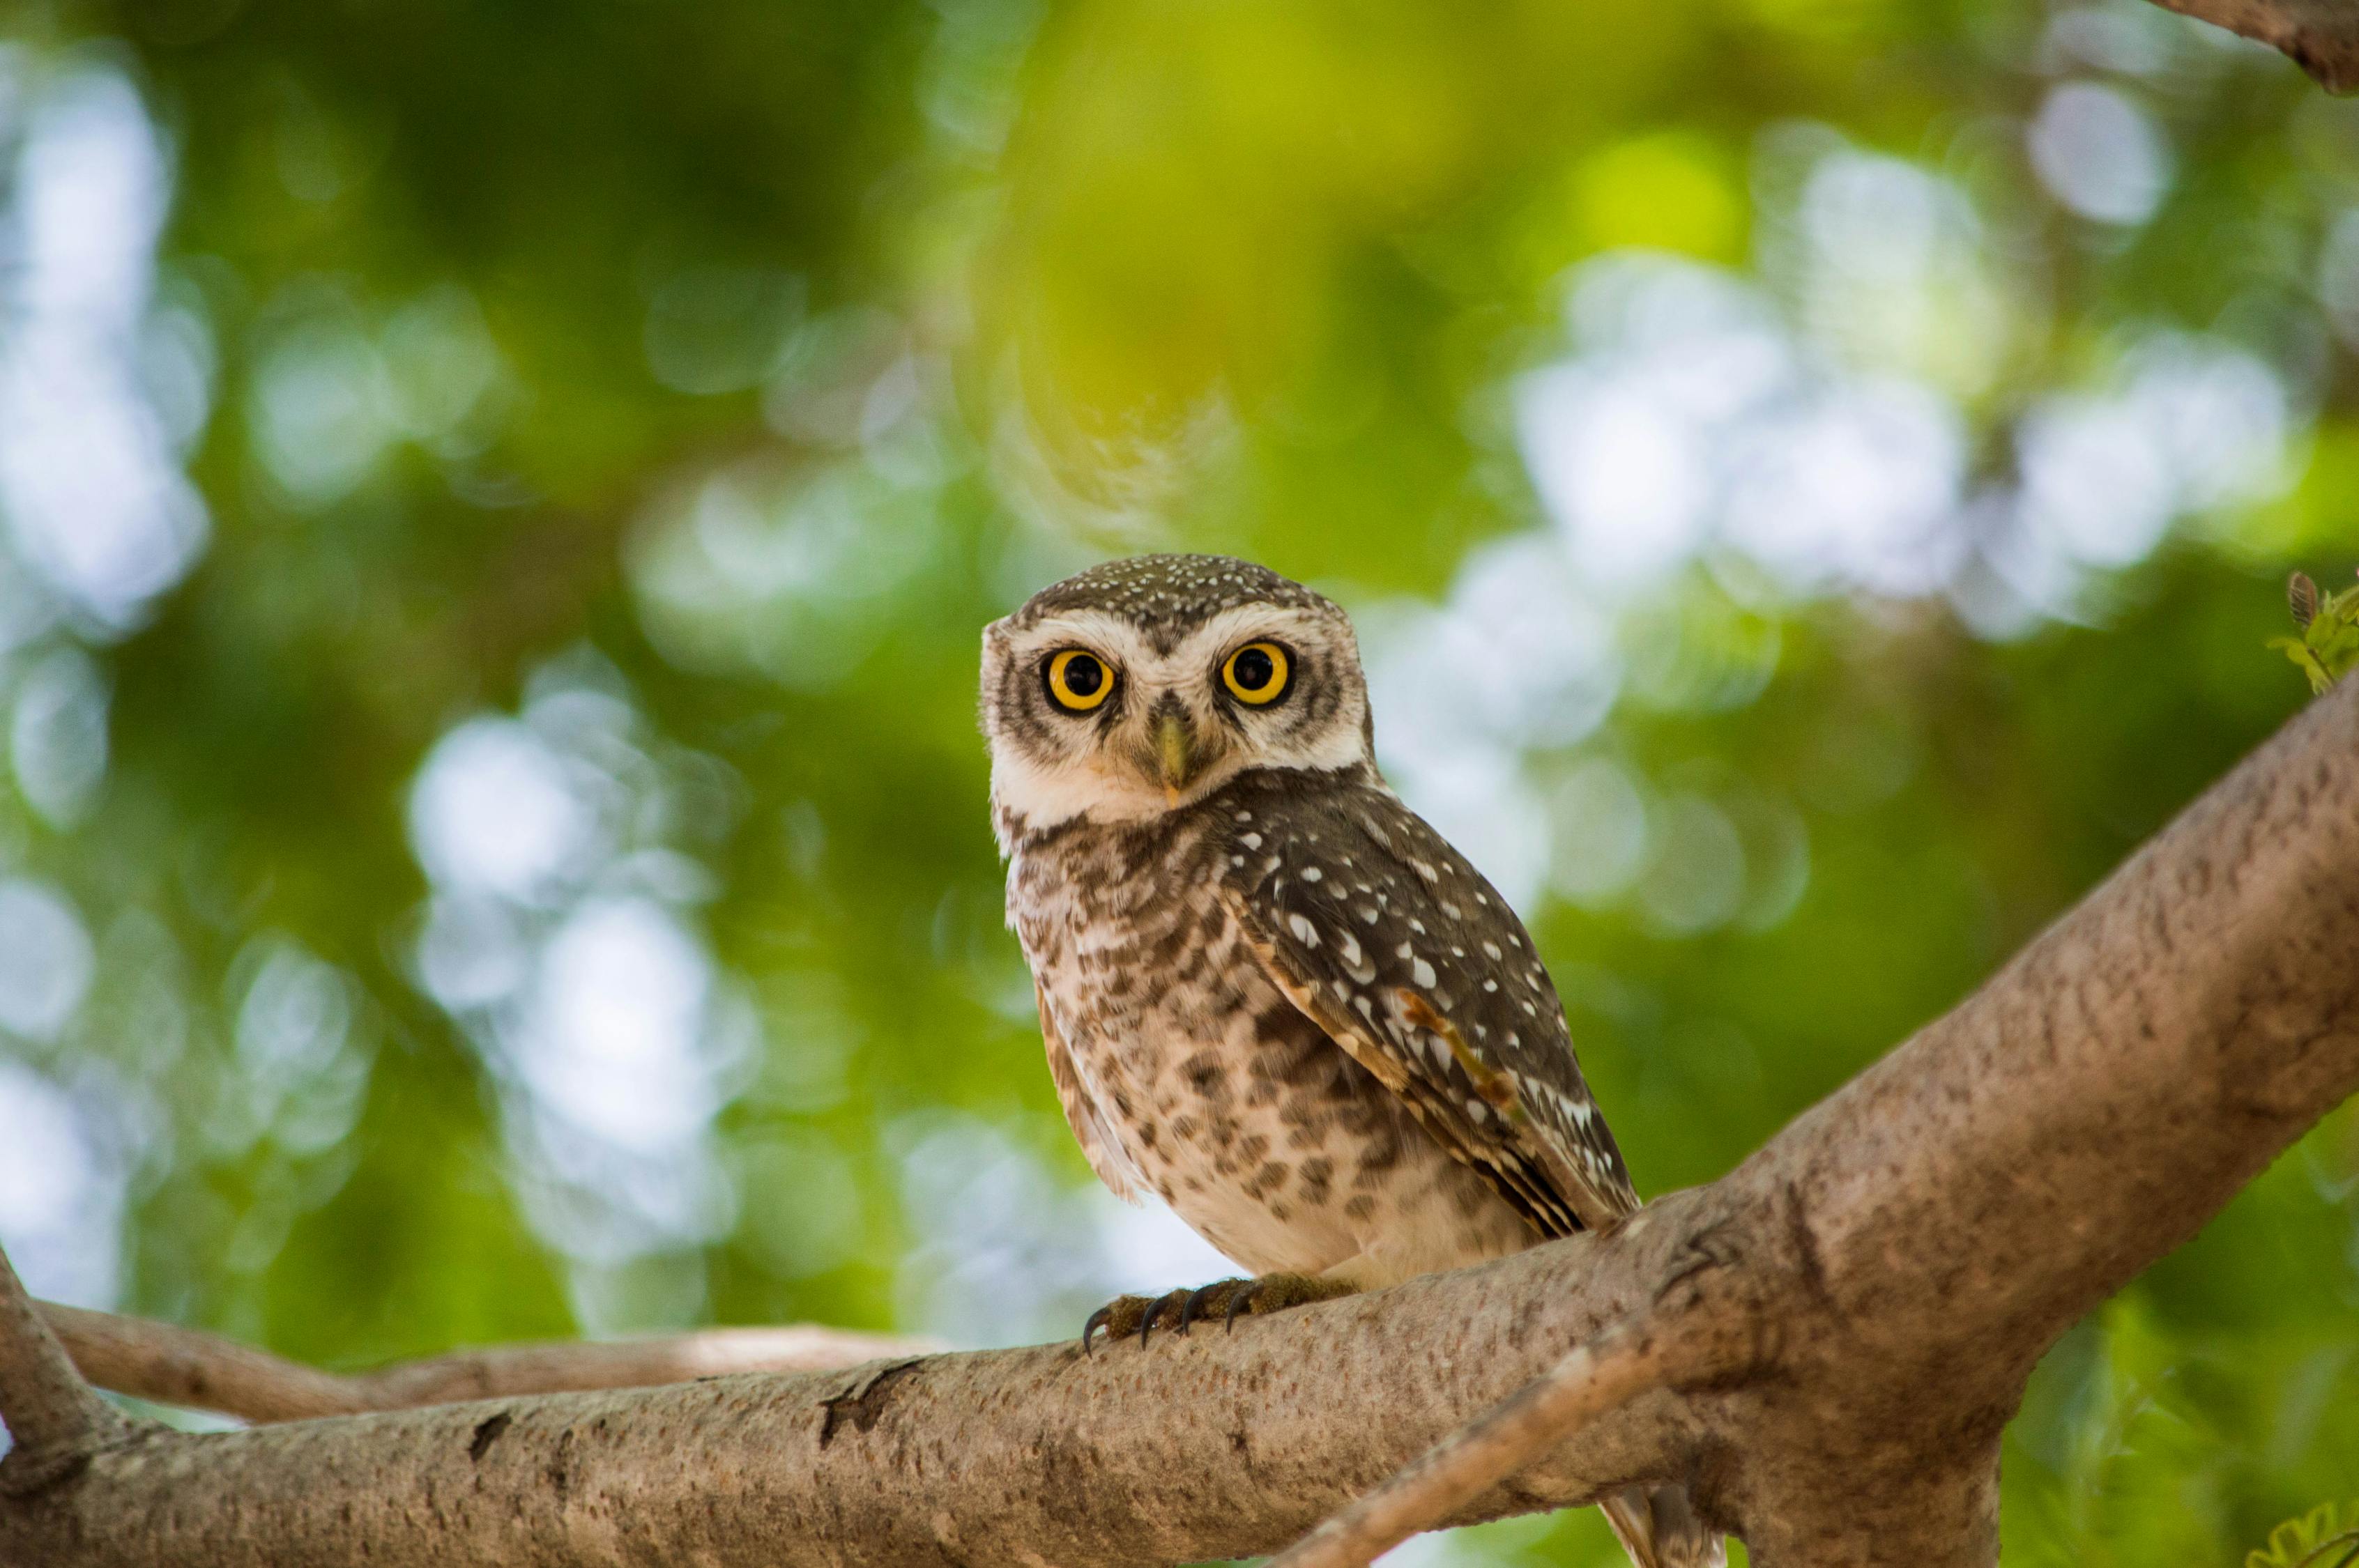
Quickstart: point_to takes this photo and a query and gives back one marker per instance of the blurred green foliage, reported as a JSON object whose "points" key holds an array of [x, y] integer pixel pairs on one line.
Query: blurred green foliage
{"points": [[518, 866]]}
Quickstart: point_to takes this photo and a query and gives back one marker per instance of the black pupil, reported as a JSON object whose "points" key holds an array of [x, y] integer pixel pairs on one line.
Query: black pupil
{"points": [[1254, 669], [1083, 676]]}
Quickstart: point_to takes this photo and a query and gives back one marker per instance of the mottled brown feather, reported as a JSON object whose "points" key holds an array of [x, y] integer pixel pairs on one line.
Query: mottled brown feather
{"points": [[1354, 905]]}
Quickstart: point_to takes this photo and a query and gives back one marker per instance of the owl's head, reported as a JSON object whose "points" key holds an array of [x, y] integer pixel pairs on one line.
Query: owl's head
{"points": [[1140, 687]]}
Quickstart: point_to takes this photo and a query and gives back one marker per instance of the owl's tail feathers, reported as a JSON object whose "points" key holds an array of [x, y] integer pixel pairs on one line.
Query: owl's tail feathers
{"points": [[1660, 1529]]}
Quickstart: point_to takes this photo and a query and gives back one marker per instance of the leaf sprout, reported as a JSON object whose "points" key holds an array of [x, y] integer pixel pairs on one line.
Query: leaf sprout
{"points": [[2328, 647]]}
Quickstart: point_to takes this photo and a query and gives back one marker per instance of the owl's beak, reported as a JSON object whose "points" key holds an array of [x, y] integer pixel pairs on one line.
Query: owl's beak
{"points": [[1175, 745]]}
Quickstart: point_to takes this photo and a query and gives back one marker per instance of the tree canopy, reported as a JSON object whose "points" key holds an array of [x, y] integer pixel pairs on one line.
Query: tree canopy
{"points": [[500, 504]]}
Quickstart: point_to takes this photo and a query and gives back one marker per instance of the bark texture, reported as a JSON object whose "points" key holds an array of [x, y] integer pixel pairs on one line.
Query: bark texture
{"points": [[1882, 1276]]}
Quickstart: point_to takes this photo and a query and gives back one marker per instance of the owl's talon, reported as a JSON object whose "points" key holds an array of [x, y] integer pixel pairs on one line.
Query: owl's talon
{"points": [[1276, 1292], [1190, 1308], [1175, 1301], [1126, 1315], [1119, 1318]]}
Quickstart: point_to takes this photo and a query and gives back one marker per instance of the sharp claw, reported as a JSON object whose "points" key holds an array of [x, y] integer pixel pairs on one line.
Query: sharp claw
{"points": [[1174, 1302], [1234, 1297], [1195, 1299]]}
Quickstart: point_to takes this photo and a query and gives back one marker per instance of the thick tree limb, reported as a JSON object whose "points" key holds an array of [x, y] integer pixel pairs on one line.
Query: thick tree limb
{"points": [[1010, 1456], [1908, 1248], [2320, 35], [175, 1366]]}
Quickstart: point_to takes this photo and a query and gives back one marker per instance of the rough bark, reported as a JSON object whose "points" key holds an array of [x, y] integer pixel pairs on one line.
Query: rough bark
{"points": [[1895, 1260], [2320, 36], [176, 1365], [1214, 1444]]}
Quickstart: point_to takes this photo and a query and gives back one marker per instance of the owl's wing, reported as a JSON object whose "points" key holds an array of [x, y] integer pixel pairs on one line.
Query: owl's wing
{"points": [[1105, 1151], [1408, 958]]}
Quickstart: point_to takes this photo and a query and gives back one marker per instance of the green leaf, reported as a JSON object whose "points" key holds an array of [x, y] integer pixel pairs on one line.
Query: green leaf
{"points": [[2322, 1534]]}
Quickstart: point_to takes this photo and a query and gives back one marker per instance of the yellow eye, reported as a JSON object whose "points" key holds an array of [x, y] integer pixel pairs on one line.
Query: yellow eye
{"points": [[1257, 673], [1079, 680]]}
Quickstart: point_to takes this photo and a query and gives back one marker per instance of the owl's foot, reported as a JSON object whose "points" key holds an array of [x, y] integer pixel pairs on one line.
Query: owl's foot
{"points": [[1227, 1300]]}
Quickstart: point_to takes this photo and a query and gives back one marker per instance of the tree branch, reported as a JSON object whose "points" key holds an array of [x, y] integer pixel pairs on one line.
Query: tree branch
{"points": [[55, 1419], [1907, 1250], [177, 1366], [2320, 35], [1215, 1445]]}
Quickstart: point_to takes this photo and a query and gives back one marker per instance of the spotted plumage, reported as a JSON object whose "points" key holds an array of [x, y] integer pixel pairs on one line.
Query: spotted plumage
{"points": [[1271, 995], [1188, 1073], [1384, 935]]}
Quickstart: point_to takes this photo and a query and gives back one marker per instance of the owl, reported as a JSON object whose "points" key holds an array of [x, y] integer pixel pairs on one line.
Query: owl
{"points": [[1271, 995]]}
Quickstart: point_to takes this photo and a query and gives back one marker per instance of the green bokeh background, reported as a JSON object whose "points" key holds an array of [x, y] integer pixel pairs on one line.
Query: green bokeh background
{"points": [[659, 399]]}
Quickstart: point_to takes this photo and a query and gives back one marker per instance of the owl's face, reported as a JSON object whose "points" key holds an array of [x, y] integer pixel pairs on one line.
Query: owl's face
{"points": [[1140, 687]]}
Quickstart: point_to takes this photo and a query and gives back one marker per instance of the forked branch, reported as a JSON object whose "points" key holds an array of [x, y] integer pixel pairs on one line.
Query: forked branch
{"points": [[56, 1420], [1666, 1347]]}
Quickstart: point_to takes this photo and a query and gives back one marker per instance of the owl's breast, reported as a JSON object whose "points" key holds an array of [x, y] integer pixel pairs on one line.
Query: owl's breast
{"points": [[1133, 948], [1223, 1098]]}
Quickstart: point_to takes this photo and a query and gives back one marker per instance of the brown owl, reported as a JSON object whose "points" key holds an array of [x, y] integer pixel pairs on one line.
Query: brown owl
{"points": [[1272, 996]]}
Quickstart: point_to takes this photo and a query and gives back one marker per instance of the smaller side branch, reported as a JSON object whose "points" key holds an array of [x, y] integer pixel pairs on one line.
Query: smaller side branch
{"points": [[55, 1419], [188, 1366], [1669, 1347], [2320, 36]]}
